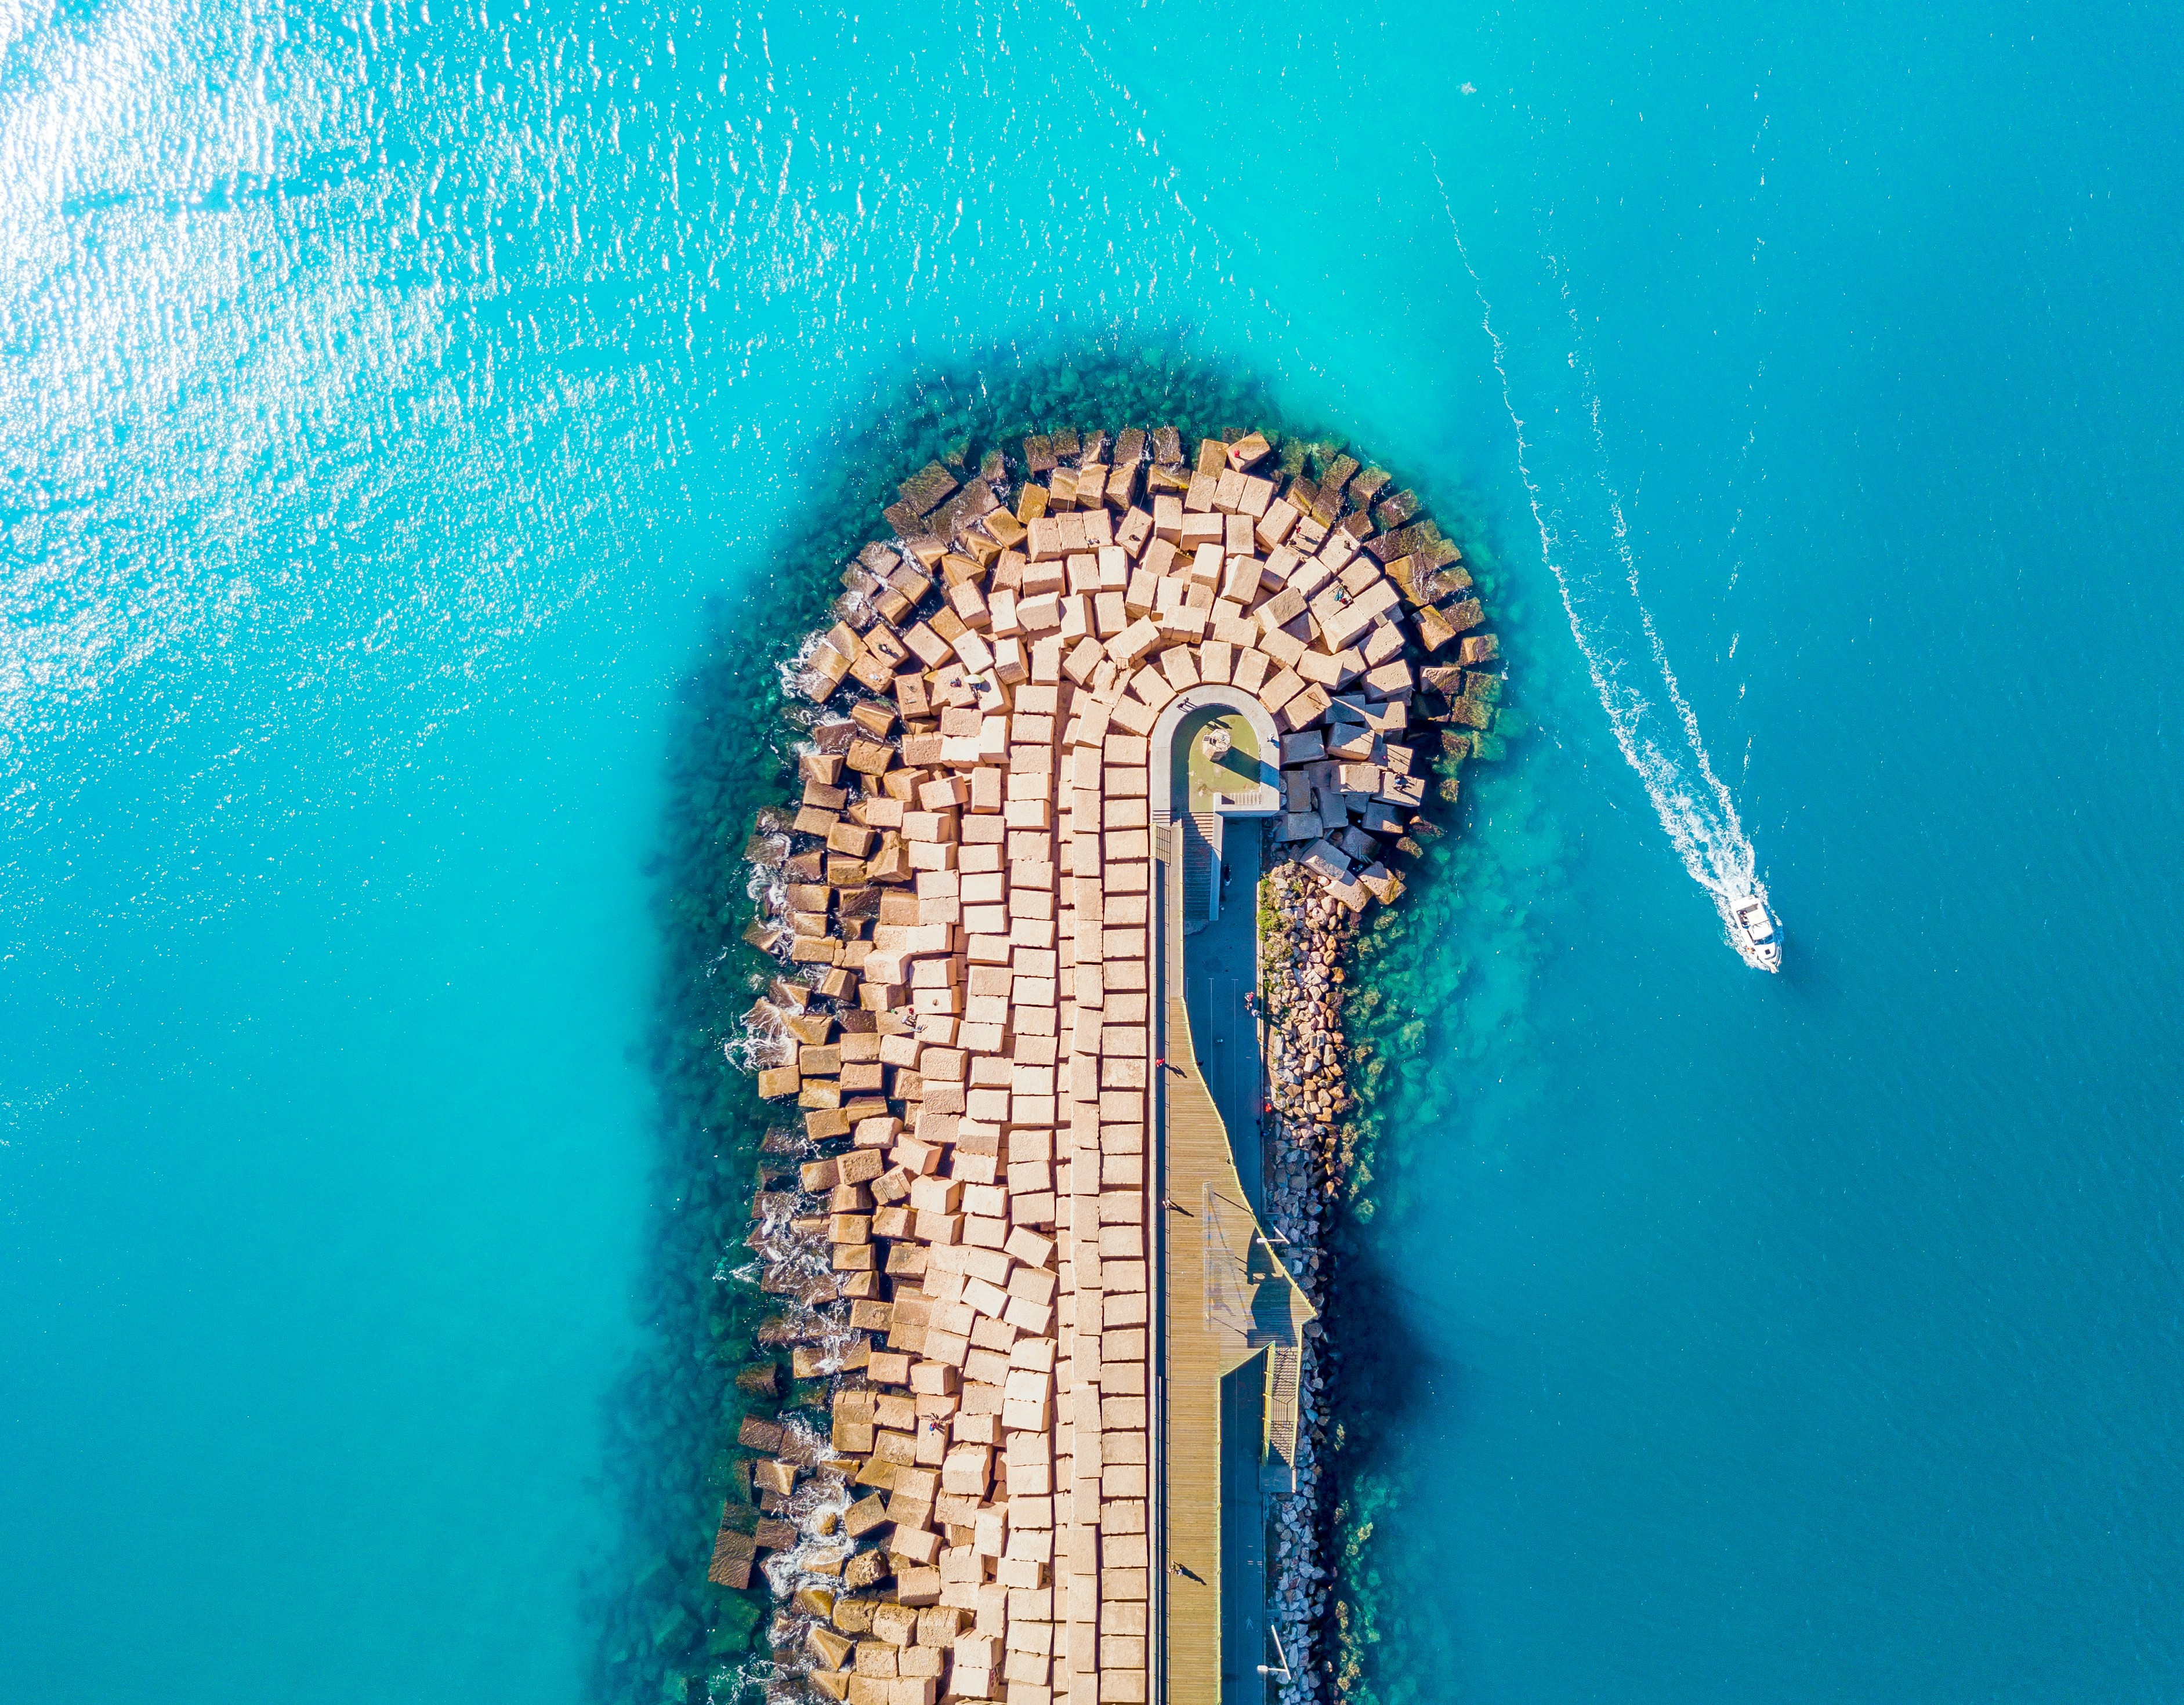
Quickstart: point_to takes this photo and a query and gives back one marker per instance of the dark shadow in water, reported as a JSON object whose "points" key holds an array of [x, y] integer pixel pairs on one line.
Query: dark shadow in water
{"points": [[1389, 1375]]}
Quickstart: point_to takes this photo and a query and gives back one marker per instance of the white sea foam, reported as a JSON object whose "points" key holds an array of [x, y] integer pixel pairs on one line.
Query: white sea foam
{"points": [[1572, 507]]}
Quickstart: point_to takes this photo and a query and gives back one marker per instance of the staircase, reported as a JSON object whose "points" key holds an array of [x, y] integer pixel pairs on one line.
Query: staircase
{"points": [[1202, 868]]}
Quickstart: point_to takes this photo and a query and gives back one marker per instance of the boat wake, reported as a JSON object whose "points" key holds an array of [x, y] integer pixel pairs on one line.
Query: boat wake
{"points": [[1585, 541]]}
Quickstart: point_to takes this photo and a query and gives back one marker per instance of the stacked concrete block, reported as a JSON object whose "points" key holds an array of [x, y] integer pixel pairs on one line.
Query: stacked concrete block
{"points": [[962, 899]]}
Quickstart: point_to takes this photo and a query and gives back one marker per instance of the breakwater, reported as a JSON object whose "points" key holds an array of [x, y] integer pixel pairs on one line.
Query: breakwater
{"points": [[789, 1326]]}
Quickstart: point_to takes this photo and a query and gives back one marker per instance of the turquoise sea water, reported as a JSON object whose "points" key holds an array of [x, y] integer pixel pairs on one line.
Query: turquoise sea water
{"points": [[383, 393]]}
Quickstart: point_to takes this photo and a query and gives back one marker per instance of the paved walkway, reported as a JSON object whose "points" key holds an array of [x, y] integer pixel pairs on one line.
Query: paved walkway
{"points": [[1223, 1295], [1217, 1611], [1220, 968], [1194, 1159]]}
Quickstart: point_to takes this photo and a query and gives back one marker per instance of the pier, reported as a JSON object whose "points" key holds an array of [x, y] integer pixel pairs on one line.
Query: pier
{"points": [[1067, 710]]}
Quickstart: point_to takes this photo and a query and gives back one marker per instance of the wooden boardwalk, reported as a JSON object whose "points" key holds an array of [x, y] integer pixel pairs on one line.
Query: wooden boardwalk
{"points": [[1206, 1226]]}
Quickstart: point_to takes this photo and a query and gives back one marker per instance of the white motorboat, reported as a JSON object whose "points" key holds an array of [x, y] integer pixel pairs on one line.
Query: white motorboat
{"points": [[1757, 938]]}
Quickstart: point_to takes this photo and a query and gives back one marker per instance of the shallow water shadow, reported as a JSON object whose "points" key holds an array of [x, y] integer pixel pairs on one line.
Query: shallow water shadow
{"points": [[1390, 1372]]}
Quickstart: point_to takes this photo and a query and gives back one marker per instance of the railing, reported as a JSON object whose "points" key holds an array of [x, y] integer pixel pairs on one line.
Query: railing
{"points": [[1285, 1370]]}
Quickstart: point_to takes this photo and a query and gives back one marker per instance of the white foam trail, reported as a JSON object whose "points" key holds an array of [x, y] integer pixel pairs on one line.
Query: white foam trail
{"points": [[1694, 807]]}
